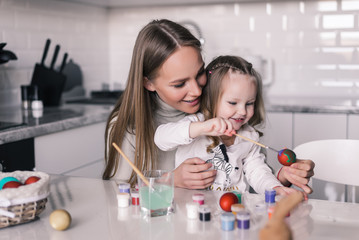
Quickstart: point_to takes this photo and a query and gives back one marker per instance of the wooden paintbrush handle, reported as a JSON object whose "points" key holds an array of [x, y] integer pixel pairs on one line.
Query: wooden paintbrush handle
{"points": [[144, 179], [250, 140]]}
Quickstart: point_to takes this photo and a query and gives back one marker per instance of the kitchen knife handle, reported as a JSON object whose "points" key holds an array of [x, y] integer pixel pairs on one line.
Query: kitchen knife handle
{"points": [[57, 49], [46, 49], [63, 62]]}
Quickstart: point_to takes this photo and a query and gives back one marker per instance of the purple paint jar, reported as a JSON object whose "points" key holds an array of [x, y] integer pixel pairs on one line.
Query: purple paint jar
{"points": [[243, 219]]}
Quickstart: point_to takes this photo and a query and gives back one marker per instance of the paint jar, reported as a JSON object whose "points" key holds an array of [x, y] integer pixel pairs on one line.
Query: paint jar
{"points": [[192, 210], [204, 213], [236, 208], [270, 196], [227, 221], [135, 196], [239, 196], [124, 187], [198, 198], [123, 199], [270, 211], [243, 219]]}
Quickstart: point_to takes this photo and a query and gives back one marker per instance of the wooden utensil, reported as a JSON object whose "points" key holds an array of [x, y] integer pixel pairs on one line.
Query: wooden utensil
{"points": [[139, 173], [257, 143]]}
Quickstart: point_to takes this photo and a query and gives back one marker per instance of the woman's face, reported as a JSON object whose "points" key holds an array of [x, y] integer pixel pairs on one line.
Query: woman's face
{"points": [[238, 98], [180, 80]]}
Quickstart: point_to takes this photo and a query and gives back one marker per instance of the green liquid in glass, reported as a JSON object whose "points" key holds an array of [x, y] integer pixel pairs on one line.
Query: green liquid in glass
{"points": [[158, 198]]}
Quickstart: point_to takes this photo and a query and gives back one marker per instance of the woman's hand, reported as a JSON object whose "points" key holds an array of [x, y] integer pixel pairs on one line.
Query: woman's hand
{"points": [[194, 173], [299, 174]]}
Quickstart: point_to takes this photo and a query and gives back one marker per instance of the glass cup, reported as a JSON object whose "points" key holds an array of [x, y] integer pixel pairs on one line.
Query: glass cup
{"points": [[157, 198]]}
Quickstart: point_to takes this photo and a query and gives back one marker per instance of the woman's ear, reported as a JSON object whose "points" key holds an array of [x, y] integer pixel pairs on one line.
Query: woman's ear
{"points": [[148, 84]]}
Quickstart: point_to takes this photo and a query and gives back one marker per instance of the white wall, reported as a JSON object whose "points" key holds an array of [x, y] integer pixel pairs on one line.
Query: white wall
{"points": [[81, 30], [312, 43]]}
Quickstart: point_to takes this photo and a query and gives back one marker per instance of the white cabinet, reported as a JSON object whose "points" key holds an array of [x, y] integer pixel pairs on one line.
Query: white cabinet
{"points": [[311, 127], [315, 126], [76, 152], [278, 133], [353, 126]]}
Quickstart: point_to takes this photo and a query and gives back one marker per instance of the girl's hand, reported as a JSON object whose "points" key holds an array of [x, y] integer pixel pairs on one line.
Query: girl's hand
{"points": [[194, 173], [211, 127], [299, 174], [285, 191]]}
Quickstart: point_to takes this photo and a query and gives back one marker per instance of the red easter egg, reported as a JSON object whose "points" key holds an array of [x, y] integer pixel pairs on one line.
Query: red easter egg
{"points": [[286, 157], [12, 184], [227, 200], [31, 179]]}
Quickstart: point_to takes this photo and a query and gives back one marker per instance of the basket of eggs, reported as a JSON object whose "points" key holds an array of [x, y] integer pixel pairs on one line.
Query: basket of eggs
{"points": [[23, 196]]}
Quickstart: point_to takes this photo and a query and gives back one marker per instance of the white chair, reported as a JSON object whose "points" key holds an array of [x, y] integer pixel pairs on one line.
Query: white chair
{"points": [[336, 160]]}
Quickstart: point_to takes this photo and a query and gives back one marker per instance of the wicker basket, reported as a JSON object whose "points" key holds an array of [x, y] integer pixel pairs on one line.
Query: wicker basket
{"points": [[23, 204]]}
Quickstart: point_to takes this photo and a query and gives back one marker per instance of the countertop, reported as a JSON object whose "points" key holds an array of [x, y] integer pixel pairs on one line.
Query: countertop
{"points": [[92, 204], [55, 119], [34, 123]]}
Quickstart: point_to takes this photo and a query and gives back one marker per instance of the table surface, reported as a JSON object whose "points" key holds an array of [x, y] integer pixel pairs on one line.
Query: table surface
{"points": [[92, 204]]}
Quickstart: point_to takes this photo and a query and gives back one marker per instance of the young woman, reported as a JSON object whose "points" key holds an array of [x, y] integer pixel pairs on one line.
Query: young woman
{"points": [[164, 84]]}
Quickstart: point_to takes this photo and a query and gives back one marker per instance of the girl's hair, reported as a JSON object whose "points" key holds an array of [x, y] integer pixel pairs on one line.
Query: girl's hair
{"points": [[216, 71], [133, 113]]}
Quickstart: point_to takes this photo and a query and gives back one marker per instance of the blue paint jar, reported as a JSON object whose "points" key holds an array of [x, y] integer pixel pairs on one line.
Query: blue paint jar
{"points": [[227, 221], [243, 219], [124, 187], [270, 196]]}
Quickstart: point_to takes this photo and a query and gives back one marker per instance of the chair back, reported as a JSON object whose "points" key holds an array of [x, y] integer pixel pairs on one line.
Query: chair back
{"points": [[336, 160]]}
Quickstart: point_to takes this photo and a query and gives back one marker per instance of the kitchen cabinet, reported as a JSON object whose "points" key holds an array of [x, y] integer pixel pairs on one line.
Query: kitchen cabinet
{"points": [[278, 133], [353, 126], [75, 152], [314, 126], [310, 127]]}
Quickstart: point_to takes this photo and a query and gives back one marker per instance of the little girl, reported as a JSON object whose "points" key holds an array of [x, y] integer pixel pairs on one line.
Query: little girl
{"points": [[232, 103]]}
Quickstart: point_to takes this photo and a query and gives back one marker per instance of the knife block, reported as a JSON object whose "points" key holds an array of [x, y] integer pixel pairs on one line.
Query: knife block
{"points": [[50, 84]]}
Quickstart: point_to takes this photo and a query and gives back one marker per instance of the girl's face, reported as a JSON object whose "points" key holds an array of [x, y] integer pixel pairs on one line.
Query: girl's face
{"points": [[238, 98], [180, 80]]}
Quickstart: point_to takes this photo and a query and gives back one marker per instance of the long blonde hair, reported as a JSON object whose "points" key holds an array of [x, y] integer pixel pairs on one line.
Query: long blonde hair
{"points": [[212, 92], [133, 113]]}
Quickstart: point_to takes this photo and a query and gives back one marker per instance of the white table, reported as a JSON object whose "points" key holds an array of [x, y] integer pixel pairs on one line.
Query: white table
{"points": [[93, 206]]}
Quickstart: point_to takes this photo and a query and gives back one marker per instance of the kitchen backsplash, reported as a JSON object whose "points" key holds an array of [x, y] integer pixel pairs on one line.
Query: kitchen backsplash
{"points": [[80, 30], [313, 45]]}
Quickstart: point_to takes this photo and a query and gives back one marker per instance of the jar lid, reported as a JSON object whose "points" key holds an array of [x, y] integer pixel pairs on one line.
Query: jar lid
{"points": [[270, 192], [227, 217], [260, 207], [192, 206], [198, 197], [204, 209], [123, 196], [243, 215], [124, 186], [135, 194], [237, 207]]}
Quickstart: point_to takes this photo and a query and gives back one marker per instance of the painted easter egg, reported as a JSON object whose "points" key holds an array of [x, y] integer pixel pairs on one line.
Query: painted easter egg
{"points": [[227, 200], [286, 157], [12, 184], [7, 179], [31, 179]]}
